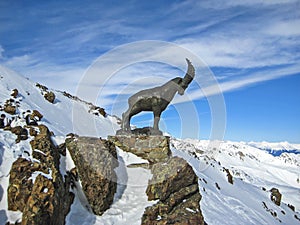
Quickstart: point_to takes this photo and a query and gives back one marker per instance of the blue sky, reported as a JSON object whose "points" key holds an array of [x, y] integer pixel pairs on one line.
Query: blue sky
{"points": [[251, 47]]}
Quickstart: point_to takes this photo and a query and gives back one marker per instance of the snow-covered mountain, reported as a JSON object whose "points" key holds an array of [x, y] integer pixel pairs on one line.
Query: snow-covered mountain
{"points": [[250, 167], [277, 149], [255, 172]]}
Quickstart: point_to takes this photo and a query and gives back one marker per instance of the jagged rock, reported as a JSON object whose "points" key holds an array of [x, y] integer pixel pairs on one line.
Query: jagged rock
{"points": [[229, 176], [32, 131], [175, 173], [45, 204], [291, 207], [152, 148], [175, 184], [42, 87], [14, 93], [22, 133], [20, 185], [47, 200], [97, 110], [36, 113], [49, 96], [276, 196], [95, 160], [10, 109]]}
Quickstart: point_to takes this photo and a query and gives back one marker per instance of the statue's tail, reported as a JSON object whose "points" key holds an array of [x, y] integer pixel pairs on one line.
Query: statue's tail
{"points": [[189, 76]]}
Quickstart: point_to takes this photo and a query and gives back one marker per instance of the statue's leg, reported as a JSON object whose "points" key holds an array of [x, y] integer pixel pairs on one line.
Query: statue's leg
{"points": [[156, 113], [126, 117], [125, 120]]}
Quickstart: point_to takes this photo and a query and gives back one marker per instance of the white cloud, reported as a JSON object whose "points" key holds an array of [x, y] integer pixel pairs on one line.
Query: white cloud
{"points": [[285, 28], [244, 82], [21, 62], [239, 52]]}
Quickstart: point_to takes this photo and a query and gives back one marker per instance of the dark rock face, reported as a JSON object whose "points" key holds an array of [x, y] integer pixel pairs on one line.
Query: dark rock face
{"points": [[95, 160], [37, 188], [276, 196], [14, 93], [36, 113], [50, 96], [22, 133], [229, 176], [152, 148], [20, 186], [175, 185], [10, 109]]}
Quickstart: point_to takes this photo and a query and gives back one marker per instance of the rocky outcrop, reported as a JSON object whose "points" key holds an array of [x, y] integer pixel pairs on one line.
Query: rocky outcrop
{"points": [[37, 114], [152, 148], [95, 160], [48, 95], [10, 106], [96, 110], [37, 188], [14, 93], [275, 196], [175, 185], [22, 133], [229, 176], [20, 185]]}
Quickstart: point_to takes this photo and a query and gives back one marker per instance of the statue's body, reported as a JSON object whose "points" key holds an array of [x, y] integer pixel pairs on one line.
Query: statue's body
{"points": [[156, 99]]}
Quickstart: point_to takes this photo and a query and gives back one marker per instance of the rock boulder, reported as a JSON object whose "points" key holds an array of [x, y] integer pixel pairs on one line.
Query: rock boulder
{"points": [[152, 148], [175, 185], [95, 160]]}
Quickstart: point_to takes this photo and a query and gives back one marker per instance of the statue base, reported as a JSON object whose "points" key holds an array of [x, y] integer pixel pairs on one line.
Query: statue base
{"points": [[148, 131], [154, 148]]}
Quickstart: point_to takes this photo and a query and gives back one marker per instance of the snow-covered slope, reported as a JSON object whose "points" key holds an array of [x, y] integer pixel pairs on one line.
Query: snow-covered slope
{"points": [[254, 171], [64, 116], [246, 201]]}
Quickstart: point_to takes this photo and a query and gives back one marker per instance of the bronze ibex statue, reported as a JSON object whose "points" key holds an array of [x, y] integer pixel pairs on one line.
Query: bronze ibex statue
{"points": [[156, 99]]}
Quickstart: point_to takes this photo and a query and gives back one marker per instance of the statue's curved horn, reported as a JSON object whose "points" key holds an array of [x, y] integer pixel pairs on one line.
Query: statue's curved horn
{"points": [[189, 76]]}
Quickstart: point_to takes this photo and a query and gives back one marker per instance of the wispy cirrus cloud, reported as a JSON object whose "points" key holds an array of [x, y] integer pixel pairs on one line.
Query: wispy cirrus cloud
{"points": [[243, 35]]}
